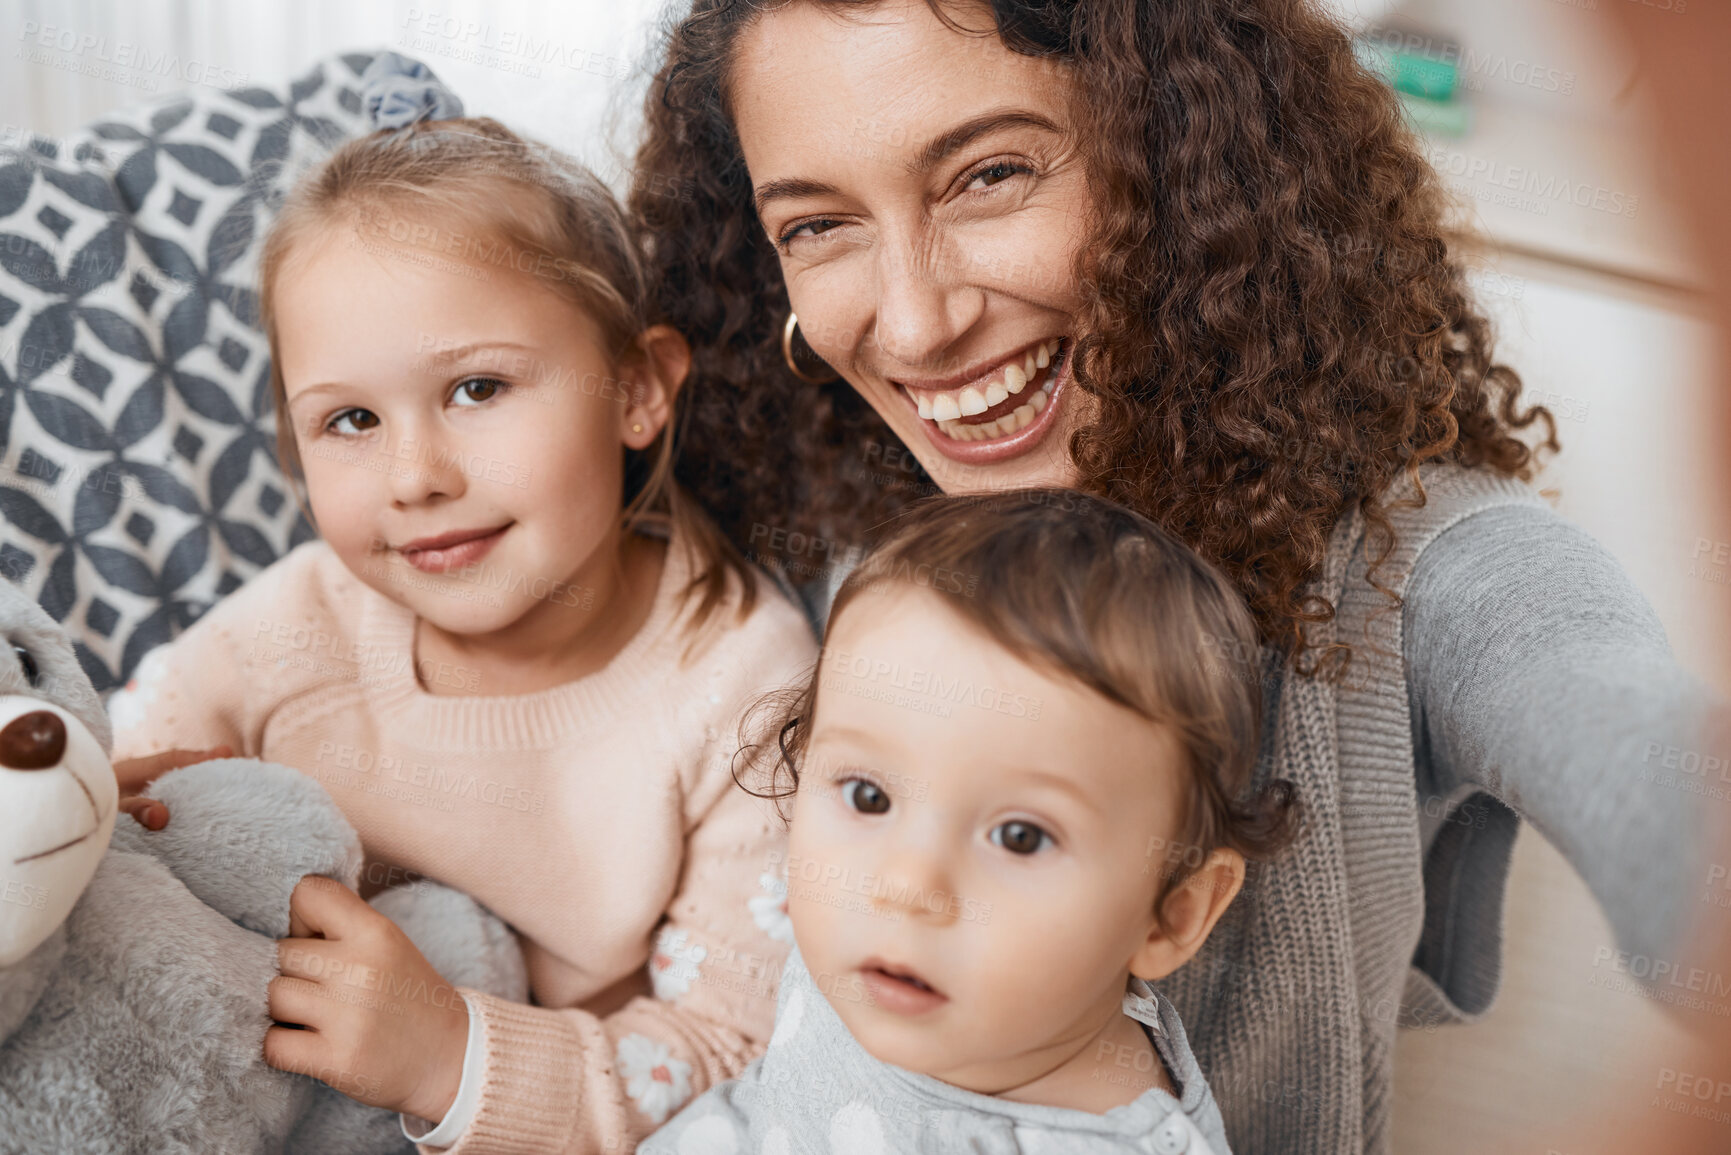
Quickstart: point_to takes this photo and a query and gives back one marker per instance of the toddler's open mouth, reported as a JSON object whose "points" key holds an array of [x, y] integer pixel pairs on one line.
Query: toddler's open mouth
{"points": [[897, 988]]}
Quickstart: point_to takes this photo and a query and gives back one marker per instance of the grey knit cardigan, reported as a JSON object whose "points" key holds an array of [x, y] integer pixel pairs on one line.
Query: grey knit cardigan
{"points": [[1308, 975]]}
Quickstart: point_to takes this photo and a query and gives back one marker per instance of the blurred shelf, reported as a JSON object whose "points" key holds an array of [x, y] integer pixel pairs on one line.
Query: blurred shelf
{"points": [[1582, 193]]}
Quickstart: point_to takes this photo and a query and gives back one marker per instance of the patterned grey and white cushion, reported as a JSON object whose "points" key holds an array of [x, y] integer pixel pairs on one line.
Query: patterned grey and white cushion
{"points": [[138, 478]]}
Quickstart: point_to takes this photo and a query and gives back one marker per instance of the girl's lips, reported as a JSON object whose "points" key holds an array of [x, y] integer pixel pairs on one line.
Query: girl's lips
{"points": [[1004, 448], [898, 995], [451, 550]]}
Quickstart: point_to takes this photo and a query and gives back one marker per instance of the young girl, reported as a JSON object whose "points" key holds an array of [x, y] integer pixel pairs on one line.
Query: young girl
{"points": [[1025, 791], [516, 656]]}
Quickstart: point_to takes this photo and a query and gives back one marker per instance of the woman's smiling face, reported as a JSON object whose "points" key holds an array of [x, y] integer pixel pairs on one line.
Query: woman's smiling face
{"points": [[927, 199]]}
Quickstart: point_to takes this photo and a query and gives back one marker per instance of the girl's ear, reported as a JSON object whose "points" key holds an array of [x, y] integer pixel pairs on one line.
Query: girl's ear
{"points": [[1191, 912], [656, 366]]}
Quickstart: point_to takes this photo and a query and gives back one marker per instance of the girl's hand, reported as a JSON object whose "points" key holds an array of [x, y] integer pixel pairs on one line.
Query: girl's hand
{"points": [[134, 774], [381, 1025]]}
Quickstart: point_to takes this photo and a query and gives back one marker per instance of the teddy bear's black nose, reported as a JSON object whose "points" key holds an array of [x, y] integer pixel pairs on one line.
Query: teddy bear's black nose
{"points": [[33, 741]]}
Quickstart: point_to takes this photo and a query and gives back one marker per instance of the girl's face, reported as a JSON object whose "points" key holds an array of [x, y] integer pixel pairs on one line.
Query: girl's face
{"points": [[927, 199], [462, 429], [985, 825]]}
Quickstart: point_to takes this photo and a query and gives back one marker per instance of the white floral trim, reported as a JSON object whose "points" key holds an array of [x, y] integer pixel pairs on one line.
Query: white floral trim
{"points": [[769, 910], [657, 1082], [673, 963], [129, 706]]}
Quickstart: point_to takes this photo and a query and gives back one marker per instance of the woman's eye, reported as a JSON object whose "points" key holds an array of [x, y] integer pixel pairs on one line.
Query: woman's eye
{"points": [[817, 227], [27, 660], [358, 421], [1019, 837], [864, 796], [477, 389], [994, 173]]}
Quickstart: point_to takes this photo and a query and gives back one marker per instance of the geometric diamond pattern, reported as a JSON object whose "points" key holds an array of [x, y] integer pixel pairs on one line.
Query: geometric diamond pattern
{"points": [[137, 483]]}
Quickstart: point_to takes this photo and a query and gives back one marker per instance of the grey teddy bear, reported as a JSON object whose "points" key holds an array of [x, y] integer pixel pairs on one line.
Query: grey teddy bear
{"points": [[134, 964]]}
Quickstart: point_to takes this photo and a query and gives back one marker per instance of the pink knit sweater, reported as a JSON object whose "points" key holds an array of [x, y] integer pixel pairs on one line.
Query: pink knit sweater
{"points": [[599, 818]]}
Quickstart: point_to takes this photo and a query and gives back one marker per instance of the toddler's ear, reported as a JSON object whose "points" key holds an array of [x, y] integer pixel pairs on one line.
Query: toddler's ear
{"points": [[656, 366], [1191, 912]]}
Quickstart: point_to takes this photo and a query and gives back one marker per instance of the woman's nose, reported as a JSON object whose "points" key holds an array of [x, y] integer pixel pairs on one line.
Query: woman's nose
{"points": [[33, 741], [925, 303]]}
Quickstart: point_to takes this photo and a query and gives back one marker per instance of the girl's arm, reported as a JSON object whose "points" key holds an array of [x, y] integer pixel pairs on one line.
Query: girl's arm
{"points": [[188, 695], [1538, 673], [570, 1081], [217, 682], [182, 705], [214, 685]]}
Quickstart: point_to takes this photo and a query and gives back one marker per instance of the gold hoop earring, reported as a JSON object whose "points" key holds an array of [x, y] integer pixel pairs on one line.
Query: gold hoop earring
{"points": [[787, 354]]}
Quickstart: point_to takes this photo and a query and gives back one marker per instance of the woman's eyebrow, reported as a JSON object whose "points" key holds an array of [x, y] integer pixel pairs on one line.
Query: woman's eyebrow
{"points": [[935, 150], [965, 133], [792, 187]]}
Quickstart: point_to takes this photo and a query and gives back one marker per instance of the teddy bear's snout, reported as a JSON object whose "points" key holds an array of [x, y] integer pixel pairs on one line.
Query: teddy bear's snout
{"points": [[33, 741]]}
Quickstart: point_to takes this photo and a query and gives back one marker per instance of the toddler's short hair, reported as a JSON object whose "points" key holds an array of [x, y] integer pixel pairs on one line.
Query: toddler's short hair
{"points": [[1099, 593]]}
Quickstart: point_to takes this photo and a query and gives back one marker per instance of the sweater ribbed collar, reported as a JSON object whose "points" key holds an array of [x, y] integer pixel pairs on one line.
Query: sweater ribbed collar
{"points": [[542, 719]]}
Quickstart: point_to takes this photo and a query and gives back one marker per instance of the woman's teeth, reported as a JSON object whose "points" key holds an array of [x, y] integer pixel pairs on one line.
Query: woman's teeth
{"points": [[948, 409], [1018, 418]]}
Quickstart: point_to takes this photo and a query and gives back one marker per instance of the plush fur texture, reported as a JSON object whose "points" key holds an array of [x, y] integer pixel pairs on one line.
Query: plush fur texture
{"points": [[138, 1024]]}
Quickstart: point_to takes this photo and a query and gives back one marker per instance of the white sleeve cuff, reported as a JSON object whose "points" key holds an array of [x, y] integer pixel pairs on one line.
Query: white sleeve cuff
{"points": [[456, 1120]]}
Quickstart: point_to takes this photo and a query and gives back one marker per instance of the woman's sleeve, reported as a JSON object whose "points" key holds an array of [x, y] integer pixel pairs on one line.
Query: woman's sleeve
{"points": [[571, 1081], [1538, 673]]}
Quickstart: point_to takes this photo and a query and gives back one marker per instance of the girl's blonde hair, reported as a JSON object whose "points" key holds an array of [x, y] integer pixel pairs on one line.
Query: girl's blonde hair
{"points": [[527, 209]]}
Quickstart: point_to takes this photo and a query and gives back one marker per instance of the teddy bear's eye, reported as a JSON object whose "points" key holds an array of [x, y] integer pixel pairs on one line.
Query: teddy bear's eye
{"points": [[31, 673]]}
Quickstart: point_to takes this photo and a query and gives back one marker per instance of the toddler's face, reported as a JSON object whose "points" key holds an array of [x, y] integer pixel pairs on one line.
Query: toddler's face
{"points": [[982, 824], [462, 430]]}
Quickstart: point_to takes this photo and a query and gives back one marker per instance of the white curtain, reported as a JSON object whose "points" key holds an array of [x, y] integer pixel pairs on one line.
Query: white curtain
{"points": [[570, 72]]}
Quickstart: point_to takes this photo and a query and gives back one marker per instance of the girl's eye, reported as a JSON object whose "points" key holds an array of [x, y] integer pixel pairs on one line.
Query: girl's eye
{"points": [[477, 389], [1019, 837], [997, 172], [864, 796], [817, 227], [359, 421]]}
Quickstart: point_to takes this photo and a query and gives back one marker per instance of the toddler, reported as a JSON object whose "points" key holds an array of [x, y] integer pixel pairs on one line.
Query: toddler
{"points": [[517, 656], [1024, 794]]}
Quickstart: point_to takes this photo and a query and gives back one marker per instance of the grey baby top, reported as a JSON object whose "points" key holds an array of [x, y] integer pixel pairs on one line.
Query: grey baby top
{"points": [[817, 1090]]}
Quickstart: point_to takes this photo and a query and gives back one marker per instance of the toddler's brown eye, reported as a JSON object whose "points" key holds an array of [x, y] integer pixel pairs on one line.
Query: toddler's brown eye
{"points": [[1019, 837], [864, 796]]}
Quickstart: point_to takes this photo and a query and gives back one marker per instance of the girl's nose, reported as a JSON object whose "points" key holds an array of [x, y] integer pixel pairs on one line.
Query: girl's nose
{"points": [[426, 468], [925, 303]]}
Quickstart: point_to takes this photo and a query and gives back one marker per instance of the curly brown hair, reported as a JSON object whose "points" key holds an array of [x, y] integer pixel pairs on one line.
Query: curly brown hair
{"points": [[1275, 325]]}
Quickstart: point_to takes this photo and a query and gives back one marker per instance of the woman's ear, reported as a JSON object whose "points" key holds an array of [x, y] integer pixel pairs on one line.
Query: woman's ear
{"points": [[655, 366], [1191, 912]]}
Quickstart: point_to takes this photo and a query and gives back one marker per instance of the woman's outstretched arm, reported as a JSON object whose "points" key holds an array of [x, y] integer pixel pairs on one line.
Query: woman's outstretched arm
{"points": [[1537, 672]]}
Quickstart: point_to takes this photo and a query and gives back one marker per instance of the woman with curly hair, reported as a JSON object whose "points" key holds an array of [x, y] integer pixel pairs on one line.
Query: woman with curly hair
{"points": [[1185, 255]]}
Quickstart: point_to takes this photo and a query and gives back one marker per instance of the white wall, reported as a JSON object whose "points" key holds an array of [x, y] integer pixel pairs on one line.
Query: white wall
{"points": [[566, 71]]}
